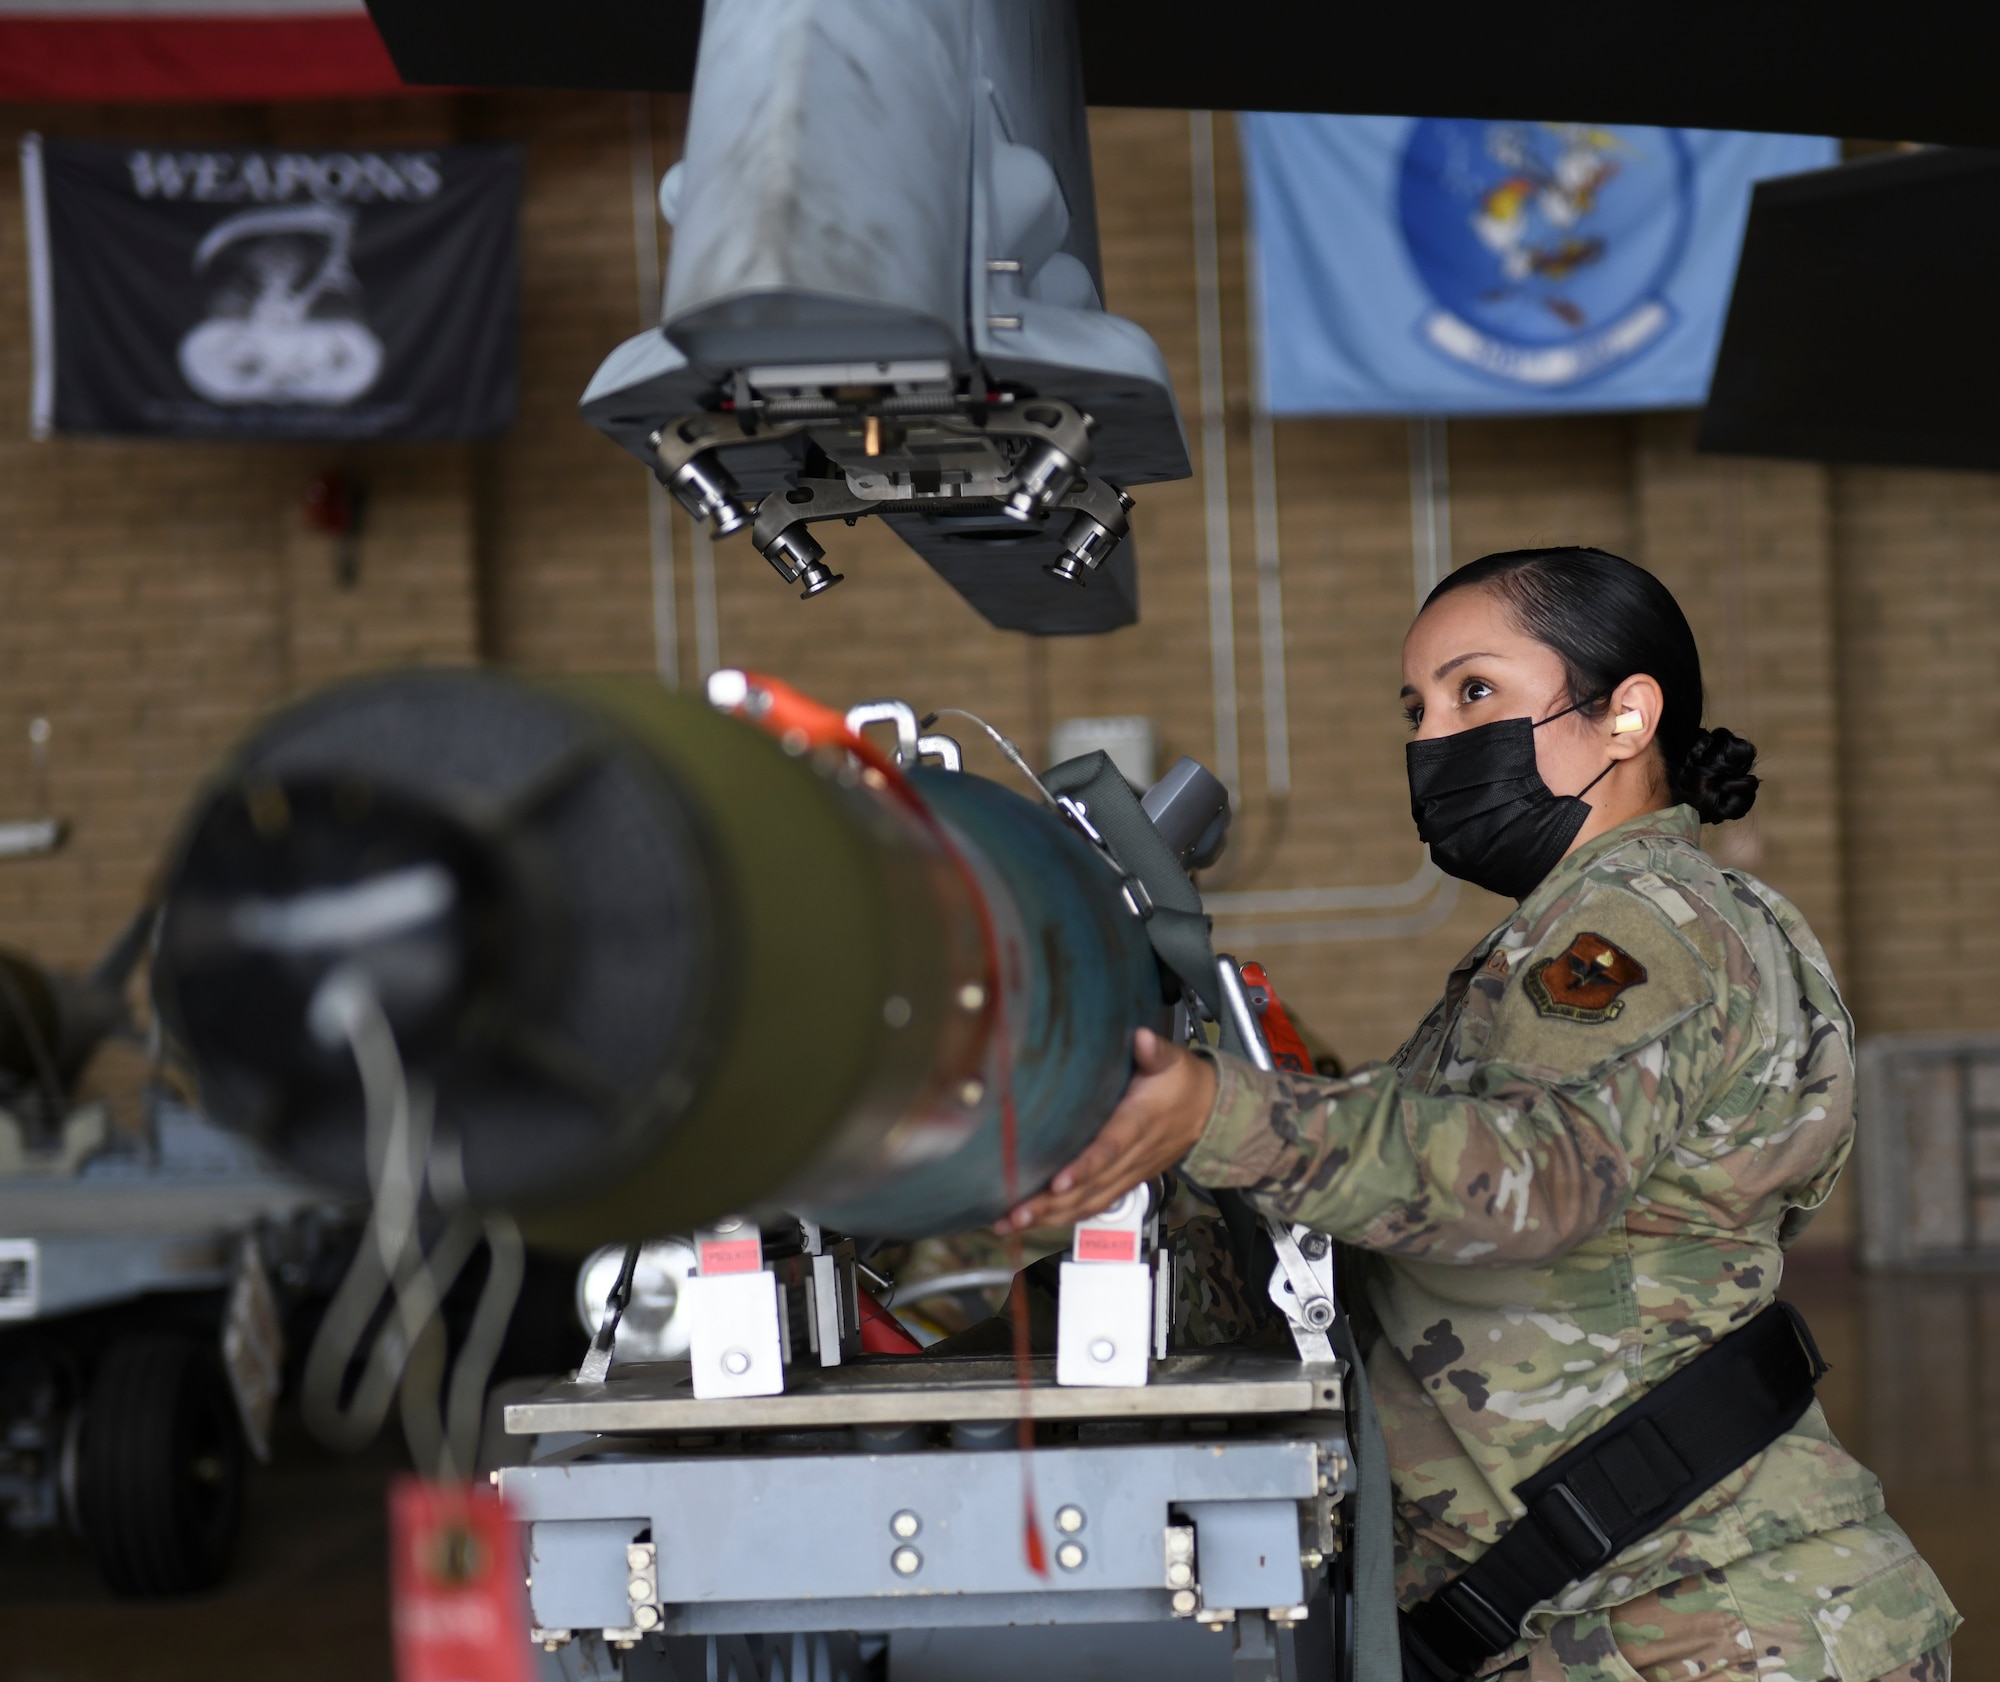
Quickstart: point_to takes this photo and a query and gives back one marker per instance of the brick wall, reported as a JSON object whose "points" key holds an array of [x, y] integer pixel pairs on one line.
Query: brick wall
{"points": [[566, 581], [1917, 595], [156, 598]]}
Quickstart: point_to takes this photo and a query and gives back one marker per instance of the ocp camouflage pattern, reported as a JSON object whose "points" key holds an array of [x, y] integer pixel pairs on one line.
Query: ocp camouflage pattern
{"points": [[1213, 1303], [1557, 1213], [1763, 1619]]}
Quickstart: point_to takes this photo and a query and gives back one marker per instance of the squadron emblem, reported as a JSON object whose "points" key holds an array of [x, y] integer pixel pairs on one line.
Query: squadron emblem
{"points": [[1547, 248], [1585, 981]]}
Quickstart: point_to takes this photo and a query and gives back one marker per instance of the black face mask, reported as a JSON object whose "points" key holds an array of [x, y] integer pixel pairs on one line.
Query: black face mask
{"points": [[1482, 808]]}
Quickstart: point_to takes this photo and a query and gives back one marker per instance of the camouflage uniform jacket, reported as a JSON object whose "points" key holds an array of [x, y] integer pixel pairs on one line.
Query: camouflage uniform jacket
{"points": [[1578, 1173]]}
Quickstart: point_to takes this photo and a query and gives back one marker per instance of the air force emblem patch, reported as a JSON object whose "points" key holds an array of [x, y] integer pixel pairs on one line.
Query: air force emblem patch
{"points": [[1585, 982]]}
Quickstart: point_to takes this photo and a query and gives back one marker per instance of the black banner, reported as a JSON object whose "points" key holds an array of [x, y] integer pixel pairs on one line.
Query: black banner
{"points": [[271, 294]]}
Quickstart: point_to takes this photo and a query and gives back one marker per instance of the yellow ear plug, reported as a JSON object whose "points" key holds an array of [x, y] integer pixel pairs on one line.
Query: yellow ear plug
{"points": [[1625, 723]]}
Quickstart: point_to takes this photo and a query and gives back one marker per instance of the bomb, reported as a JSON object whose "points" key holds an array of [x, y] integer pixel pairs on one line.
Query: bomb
{"points": [[647, 963]]}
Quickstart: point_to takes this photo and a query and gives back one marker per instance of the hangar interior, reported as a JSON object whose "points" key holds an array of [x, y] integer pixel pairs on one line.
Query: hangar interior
{"points": [[159, 599]]}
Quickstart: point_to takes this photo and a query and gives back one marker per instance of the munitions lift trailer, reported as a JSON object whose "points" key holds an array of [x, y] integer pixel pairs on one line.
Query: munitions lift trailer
{"points": [[884, 1498]]}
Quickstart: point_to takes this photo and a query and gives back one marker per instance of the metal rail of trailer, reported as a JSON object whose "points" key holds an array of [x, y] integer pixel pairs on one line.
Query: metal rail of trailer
{"points": [[881, 1504]]}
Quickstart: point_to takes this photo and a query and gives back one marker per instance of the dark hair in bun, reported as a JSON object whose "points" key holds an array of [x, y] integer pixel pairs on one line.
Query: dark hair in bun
{"points": [[1715, 776], [1610, 620]]}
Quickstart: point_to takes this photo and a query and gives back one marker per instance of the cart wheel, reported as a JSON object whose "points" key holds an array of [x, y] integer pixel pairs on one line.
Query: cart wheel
{"points": [[160, 1467]]}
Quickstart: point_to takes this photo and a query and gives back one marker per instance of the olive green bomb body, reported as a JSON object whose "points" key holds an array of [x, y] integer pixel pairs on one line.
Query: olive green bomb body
{"points": [[850, 937], [653, 967]]}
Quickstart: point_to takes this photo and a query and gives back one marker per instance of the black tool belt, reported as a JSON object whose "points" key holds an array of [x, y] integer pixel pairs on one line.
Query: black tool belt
{"points": [[1617, 1486]]}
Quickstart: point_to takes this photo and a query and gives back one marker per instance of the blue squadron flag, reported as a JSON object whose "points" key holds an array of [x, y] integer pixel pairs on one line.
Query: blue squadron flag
{"points": [[1446, 265]]}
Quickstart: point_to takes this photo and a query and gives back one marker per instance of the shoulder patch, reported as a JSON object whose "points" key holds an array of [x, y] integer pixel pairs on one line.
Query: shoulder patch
{"points": [[1585, 982], [1607, 975]]}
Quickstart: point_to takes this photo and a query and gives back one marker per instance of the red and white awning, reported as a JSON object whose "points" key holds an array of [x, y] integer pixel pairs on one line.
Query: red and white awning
{"points": [[129, 50]]}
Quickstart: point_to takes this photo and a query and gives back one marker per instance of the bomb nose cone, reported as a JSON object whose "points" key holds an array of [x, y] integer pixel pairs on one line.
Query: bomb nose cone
{"points": [[525, 894], [289, 883]]}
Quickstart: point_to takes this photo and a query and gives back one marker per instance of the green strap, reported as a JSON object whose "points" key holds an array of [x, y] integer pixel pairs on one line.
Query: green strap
{"points": [[1178, 927], [1378, 1651]]}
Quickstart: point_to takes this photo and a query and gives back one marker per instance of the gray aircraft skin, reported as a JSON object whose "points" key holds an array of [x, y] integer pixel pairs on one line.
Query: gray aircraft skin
{"points": [[885, 298]]}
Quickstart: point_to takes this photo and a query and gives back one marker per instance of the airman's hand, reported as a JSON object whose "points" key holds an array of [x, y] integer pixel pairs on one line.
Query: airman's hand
{"points": [[1158, 1121]]}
